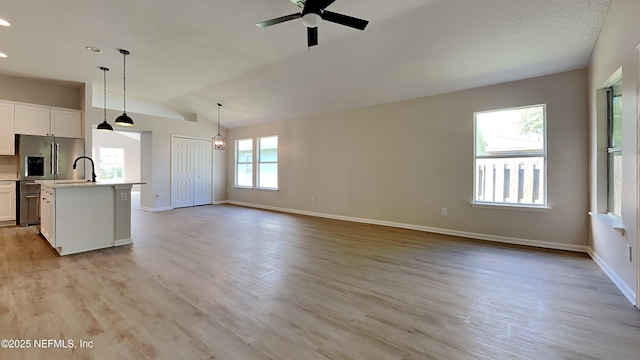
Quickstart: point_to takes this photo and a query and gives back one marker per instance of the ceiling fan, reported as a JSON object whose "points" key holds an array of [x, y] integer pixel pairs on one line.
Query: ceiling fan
{"points": [[313, 12]]}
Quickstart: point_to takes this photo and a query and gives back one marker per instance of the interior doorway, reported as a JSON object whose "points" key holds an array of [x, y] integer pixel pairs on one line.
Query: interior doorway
{"points": [[117, 157]]}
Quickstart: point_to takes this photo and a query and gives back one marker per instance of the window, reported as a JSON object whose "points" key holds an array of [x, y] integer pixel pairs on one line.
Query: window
{"points": [[111, 166], [614, 149], [510, 156], [244, 162], [268, 162]]}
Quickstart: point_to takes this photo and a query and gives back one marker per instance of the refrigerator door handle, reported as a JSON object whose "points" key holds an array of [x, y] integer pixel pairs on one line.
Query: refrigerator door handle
{"points": [[52, 159], [57, 150]]}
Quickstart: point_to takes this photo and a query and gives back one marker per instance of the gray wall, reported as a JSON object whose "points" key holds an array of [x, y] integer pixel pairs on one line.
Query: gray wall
{"points": [[615, 49], [402, 162], [43, 92]]}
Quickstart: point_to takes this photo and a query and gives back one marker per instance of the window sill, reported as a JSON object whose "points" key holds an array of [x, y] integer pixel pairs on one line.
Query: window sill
{"points": [[502, 206], [255, 188], [613, 222]]}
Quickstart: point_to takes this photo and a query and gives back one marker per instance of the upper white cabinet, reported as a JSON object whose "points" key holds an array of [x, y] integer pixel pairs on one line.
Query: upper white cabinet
{"points": [[32, 120], [7, 128], [42, 120], [66, 123]]}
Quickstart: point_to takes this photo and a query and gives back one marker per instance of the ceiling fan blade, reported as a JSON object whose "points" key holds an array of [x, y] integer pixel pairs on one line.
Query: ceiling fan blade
{"points": [[312, 36], [344, 20], [322, 4], [310, 5], [278, 20]]}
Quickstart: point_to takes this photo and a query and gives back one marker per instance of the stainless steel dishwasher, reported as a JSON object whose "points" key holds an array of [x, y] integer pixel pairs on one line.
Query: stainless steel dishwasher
{"points": [[28, 206]]}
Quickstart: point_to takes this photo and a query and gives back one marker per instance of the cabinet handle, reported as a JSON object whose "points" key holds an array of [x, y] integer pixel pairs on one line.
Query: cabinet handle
{"points": [[52, 159], [31, 196]]}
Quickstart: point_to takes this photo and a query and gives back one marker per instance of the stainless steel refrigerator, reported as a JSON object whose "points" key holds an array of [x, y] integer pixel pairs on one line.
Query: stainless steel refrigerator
{"points": [[43, 158]]}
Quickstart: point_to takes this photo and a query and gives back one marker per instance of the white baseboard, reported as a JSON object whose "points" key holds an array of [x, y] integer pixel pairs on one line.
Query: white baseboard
{"points": [[622, 286], [120, 242], [494, 238], [156, 209]]}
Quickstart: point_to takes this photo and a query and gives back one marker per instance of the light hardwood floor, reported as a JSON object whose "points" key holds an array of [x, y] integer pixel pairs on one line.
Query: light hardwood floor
{"points": [[226, 282]]}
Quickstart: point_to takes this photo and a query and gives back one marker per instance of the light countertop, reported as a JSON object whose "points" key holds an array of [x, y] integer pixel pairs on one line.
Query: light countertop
{"points": [[58, 184]]}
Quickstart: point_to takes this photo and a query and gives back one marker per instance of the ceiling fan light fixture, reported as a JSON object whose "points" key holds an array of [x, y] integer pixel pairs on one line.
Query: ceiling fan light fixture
{"points": [[311, 20]]}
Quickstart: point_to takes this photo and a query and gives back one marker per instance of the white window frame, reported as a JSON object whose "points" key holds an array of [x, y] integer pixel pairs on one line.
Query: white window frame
{"points": [[238, 163], [260, 162], [544, 206], [611, 149]]}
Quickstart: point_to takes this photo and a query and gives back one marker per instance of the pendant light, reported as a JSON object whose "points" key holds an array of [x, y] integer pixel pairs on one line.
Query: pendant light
{"points": [[219, 140], [124, 119], [104, 125]]}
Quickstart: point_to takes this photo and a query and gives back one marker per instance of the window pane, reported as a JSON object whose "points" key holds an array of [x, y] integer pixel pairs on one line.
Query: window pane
{"points": [[510, 181], [268, 176], [111, 164], [244, 162], [513, 131], [268, 149], [245, 150], [615, 183], [244, 175], [616, 115]]}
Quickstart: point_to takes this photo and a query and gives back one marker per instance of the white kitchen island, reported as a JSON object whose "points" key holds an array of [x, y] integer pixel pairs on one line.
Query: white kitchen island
{"points": [[83, 216]]}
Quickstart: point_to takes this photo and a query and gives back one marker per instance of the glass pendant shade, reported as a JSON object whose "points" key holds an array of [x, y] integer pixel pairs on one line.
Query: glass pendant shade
{"points": [[124, 119], [219, 141], [104, 125]]}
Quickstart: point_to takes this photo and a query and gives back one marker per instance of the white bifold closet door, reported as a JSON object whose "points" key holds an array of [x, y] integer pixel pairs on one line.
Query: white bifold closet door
{"points": [[190, 172]]}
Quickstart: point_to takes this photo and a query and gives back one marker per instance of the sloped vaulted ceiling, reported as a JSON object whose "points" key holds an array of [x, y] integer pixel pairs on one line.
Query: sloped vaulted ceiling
{"points": [[189, 55]]}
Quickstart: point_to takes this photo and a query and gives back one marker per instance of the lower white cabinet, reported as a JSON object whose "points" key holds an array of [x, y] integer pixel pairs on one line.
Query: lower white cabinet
{"points": [[48, 214], [7, 200]]}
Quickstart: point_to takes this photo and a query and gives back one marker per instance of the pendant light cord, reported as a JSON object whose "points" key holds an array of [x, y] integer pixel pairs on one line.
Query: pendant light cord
{"points": [[104, 71], [124, 82], [219, 119]]}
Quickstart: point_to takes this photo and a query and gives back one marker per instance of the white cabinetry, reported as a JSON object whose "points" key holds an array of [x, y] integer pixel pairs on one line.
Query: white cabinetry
{"points": [[42, 120], [7, 201], [66, 123], [47, 214], [7, 129]]}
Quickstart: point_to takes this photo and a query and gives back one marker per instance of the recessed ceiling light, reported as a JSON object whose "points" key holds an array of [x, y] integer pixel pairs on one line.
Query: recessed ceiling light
{"points": [[4, 22], [93, 49], [3, 55]]}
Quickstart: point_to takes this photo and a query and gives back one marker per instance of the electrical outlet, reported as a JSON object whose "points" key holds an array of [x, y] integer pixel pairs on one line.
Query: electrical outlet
{"points": [[158, 196], [443, 211], [313, 199], [123, 196]]}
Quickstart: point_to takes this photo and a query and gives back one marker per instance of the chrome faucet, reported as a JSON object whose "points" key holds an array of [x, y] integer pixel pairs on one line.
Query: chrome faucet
{"points": [[93, 168]]}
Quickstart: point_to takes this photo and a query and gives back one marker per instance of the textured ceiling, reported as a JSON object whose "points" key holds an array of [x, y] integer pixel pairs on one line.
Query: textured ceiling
{"points": [[188, 55]]}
